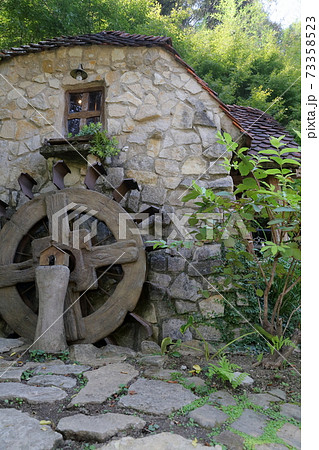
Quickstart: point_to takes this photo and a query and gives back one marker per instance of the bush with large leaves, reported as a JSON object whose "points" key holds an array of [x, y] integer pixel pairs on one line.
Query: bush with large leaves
{"points": [[269, 193]]}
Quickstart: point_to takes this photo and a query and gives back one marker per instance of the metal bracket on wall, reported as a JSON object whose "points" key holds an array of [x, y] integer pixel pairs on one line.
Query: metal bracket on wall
{"points": [[26, 183], [93, 173], [128, 184], [59, 170]]}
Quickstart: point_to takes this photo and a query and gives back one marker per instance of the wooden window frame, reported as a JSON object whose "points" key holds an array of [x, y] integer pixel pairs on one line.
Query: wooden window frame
{"points": [[84, 114]]}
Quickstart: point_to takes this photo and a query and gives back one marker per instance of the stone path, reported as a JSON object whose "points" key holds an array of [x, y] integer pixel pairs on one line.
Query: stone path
{"points": [[119, 400]]}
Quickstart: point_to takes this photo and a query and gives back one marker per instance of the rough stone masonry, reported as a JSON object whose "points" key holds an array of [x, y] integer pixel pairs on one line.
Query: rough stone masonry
{"points": [[166, 125]]}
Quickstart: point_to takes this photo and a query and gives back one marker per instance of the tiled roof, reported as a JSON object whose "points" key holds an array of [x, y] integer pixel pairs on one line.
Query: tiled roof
{"points": [[261, 127], [117, 38]]}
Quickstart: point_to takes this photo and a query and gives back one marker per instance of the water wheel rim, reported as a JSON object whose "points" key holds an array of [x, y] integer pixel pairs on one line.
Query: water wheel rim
{"points": [[111, 314]]}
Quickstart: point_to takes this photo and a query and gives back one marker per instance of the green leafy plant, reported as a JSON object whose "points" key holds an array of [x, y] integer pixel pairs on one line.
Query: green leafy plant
{"points": [[64, 356], [268, 193], [192, 323], [82, 380], [123, 390], [27, 374], [87, 446], [153, 427], [102, 145], [225, 370], [38, 355], [41, 356], [166, 342], [275, 342]]}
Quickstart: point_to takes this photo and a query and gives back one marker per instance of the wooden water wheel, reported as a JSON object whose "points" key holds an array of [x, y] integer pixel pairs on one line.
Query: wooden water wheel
{"points": [[30, 231]]}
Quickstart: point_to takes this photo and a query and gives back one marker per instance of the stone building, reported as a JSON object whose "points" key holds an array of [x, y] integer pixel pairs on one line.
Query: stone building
{"points": [[165, 119]]}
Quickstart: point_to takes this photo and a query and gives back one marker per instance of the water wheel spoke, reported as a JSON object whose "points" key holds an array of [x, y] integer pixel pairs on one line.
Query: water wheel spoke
{"points": [[57, 206], [118, 253], [16, 273]]}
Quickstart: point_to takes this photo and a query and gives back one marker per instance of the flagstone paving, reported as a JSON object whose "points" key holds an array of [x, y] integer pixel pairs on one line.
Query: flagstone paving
{"points": [[31, 394], [290, 434], [127, 406], [52, 380], [161, 441], [157, 397], [208, 416], [8, 344], [104, 382], [223, 398], [250, 422], [59, 369], [289, 410], [98, 428], [263, 400], [19, 431]]}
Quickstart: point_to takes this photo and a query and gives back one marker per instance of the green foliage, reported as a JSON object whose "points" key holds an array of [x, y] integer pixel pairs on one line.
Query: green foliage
{"points": [[165, 343], [225, 370], [101, 145], [184, 410], [191, 323], [82, 380], [41, 356], [38, 355], [153, 427], [17, 401], [258, 202], [88, 130], [27, 374], [87, 446], [123, 390], [275, 342]]}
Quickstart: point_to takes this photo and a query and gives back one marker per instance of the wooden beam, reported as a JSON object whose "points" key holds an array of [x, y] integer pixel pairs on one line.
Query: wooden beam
{"points": [[105, 255], [16, 273]]}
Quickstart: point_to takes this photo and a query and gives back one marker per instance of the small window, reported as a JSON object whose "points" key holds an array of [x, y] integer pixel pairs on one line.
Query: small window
{"points": [[83, 108]]}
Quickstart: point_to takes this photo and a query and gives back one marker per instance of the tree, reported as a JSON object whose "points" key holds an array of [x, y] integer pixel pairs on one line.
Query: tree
{"points": [[248, 61], [258, 199]]}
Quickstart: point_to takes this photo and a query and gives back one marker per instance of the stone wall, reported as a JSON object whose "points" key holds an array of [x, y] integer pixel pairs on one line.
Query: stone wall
{"points": [[165, 121], [166, 125]]}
